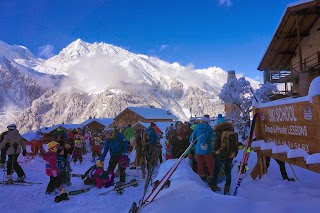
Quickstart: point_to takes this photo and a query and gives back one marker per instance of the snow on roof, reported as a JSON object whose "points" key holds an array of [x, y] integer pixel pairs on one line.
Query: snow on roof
{"points": [[283, 101], [267, 146], [152, 113], [313, 159], [66, 126], [280, 149], [162, 125], [258, 143], [103, 121], [314, 88], [296, 153], [29, 136]]}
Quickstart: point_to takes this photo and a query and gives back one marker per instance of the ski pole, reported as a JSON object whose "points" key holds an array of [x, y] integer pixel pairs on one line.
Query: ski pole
{"points": [[293, 172]]}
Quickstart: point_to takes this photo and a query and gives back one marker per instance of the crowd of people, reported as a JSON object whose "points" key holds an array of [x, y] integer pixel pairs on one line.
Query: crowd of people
{"points": [[212, 148]]}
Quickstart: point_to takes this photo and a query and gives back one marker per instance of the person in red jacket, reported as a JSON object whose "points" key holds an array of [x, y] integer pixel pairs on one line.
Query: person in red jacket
{"points": [[52, 169], [36, 145]]}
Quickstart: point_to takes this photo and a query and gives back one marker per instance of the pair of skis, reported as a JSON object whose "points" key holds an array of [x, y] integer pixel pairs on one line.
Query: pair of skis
{"points": [[20, 183], [118, 188], [246, 154], [163, 182]]}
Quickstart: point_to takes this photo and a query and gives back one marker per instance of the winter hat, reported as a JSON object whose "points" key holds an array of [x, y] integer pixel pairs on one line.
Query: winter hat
{"points": [[100, 164], [205, 119], [53, 146], [220, 119], [11, 126]]}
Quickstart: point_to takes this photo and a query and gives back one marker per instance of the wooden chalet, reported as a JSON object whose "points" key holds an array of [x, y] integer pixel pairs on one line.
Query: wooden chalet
{"points": [[48, 132], [132, 115], [97, 124], [288, 129], [293, 56]]}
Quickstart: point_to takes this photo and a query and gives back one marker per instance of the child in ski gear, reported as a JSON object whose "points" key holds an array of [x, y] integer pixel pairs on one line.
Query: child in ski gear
{"points": [[96, 144], [223, 153], [86, 139], [117, 145], [77, 153], [52, 168], [60, 135], [13, 143], [204, 135], [97, 176]]}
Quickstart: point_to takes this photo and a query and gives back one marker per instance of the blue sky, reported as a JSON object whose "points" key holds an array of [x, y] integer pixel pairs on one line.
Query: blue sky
{"points": [[231, 34]]}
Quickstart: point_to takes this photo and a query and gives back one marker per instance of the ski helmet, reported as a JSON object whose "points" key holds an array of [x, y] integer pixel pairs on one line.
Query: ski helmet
{"points": [[53, 146], [100, 164], [11, 126]]}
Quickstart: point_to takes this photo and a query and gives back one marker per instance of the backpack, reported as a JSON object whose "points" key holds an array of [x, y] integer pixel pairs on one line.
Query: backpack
{"points": [[228, 147]]}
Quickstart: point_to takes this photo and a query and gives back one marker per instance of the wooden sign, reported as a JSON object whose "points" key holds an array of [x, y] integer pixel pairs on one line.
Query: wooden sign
{"points": [[293, 122]]}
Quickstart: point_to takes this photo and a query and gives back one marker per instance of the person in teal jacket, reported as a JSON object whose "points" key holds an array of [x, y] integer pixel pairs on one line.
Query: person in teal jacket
{"points": [[204, 135], [118, 146]]}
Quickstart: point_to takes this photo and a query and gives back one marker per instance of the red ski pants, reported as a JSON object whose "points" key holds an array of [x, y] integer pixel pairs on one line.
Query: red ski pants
{"points": [[205, 160]]}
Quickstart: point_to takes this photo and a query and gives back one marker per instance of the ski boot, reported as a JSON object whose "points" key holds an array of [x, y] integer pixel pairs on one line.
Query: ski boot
{"points": [[226, 189], [215, 188], [61, 197], [289, 179]]}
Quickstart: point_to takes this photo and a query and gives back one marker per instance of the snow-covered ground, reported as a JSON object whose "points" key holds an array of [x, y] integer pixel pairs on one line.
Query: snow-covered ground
{"points": [[187, 192]]}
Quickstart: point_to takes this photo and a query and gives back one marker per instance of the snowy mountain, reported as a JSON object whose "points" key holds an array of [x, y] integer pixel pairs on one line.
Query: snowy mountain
{"points": [[100, 80]]}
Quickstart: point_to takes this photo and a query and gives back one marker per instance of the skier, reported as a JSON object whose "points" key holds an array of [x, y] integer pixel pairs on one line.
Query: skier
{"points": [[13, 143], [128, 134], [178, 139], [221, 157], [3, 151], [118, 146], [77, 153], [53, 171], [204, 134]]}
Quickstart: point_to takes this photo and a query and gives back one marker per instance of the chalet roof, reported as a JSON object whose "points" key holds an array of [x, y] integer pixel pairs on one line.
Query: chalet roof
{"points": [[29, 136], [103, 121], [151, 113], [161, 125], [285, 40], [66, 126]]}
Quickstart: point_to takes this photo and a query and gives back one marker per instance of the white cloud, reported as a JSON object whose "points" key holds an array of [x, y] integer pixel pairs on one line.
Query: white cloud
{"points": [[227, 3], [163, 46], [100, 72], [46, 51]]}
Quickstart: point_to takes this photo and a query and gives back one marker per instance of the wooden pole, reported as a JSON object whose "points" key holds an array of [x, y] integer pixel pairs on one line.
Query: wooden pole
{"points": [[299, 42]]}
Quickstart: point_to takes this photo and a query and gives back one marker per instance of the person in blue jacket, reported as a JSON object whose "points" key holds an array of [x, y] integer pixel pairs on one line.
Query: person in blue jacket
{"points": [[118, 146], [204, 135]]}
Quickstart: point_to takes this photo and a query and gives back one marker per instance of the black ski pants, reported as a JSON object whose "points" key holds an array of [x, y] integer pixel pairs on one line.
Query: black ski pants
{"points": [[13, 165]]}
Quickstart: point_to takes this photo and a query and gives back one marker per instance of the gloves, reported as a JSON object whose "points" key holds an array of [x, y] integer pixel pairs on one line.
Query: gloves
{"points": [[54, 173], [204, 147], [24, 152]]}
